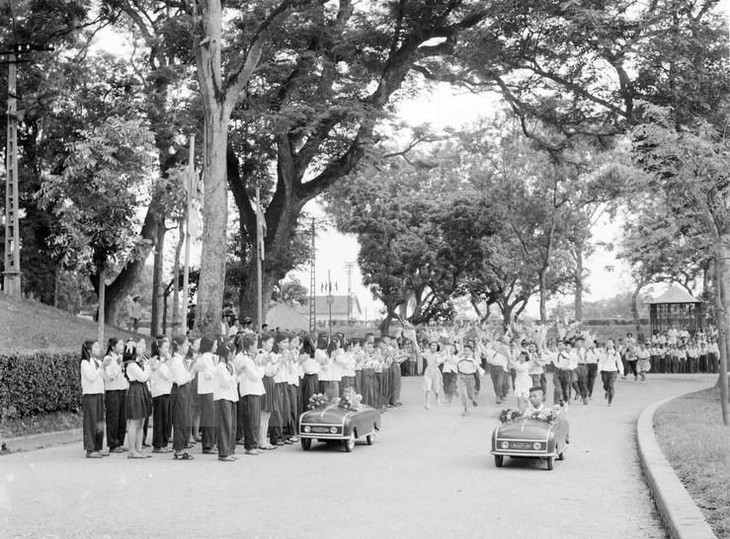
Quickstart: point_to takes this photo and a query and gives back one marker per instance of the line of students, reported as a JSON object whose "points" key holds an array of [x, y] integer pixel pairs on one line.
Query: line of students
{"points": [[246, 390]]}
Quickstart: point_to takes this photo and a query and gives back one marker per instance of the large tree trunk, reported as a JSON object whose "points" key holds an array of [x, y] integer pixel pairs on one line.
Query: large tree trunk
{"points": [[385, 324], [219, 96], [578, 281], [215, 224], [158, 284]]}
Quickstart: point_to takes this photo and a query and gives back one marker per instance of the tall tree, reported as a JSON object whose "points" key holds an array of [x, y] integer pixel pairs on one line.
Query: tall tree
{"points": [[95, 197], [327, 79]]}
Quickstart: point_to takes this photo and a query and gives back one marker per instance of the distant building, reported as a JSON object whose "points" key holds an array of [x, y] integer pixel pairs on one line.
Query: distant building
{"points": [[344, 308]]}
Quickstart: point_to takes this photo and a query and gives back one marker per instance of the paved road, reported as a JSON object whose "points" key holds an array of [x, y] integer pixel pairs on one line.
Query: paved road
{"points": [[429, 474]]}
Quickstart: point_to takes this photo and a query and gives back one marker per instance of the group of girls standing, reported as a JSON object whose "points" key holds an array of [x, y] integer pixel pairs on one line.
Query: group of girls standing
{"points": [[246, 390]]}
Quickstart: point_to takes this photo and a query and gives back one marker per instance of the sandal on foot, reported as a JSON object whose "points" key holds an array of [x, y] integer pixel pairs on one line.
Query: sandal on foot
{"points": [[183, 456]]}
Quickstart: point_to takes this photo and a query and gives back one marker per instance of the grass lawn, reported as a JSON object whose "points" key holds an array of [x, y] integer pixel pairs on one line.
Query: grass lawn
{"points": [[28, 325], [691, 434]]}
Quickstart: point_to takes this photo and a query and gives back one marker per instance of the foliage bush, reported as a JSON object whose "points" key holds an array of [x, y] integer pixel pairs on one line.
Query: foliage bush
{"points": [[33, 383]]}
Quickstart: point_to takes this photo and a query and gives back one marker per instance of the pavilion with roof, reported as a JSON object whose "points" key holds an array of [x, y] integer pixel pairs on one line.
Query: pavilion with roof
{"points": [[676, 308]]}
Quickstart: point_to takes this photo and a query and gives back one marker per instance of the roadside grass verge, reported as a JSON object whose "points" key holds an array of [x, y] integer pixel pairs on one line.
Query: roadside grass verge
{"points": [[29, 325], [40, 424], [691, 434]]}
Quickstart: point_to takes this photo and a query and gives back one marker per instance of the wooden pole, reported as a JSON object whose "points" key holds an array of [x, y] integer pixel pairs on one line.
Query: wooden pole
{"points": [[186, 264], [259, 261]]}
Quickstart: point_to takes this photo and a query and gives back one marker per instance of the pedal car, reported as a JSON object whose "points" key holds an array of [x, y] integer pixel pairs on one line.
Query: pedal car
{"points": [[334, 422], [526, 437]]}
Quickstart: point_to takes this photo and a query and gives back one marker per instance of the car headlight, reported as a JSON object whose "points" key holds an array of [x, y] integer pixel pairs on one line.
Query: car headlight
{"points": [[333, 430], [504, 445], [537, 445], [307, 429]]}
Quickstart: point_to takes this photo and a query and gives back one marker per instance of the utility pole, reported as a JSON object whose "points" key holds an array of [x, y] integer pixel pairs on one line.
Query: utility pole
{"points": [[330, 299], [12, 273], [348, 268], [313, 283], [190, 189]]}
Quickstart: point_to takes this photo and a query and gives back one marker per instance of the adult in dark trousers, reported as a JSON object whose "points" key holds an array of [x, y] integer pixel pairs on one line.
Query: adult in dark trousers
{"points": [[180, 398]]}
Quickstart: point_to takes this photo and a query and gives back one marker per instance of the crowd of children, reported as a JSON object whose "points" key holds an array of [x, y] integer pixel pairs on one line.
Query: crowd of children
{"points": [[247, 389]]}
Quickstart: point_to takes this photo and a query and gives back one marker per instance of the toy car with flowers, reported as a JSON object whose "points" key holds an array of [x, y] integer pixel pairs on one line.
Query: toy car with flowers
{"points": [[342, 420], [543, 435]]}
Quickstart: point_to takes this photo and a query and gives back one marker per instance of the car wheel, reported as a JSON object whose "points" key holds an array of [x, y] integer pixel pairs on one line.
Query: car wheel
{"points": [[561, 455], [550, 461], [306, 443], [349, 444], [370, 438], [498, 460]]}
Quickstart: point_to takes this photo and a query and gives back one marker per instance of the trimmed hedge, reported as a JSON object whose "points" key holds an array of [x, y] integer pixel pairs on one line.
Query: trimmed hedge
{"points": [[33, 383]]}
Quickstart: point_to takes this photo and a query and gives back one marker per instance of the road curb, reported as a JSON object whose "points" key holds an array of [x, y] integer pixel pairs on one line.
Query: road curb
{"points": [[39, 441], [681, 516]]}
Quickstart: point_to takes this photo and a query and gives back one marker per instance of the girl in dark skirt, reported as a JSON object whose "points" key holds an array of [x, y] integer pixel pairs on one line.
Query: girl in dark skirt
{"points": [[138, 403], [92, 404], [264, 359], [310, 367]]}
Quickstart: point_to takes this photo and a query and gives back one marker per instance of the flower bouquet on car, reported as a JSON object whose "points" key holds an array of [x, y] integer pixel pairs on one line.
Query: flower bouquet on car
{"points": [[318, 400], [509, 414], [549, 415]]}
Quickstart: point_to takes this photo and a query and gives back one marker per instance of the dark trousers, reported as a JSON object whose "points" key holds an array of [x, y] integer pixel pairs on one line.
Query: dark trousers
{"points": [[161, 421], [251, 420], [609, 379], [294, 408], [631, 363], [226, 428], [395, 384], [116, 417], [239, 419], [591, 377], [207, 420], [93, 407], [562, 380], [499, 382], [181, 419], [582, 372]]}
